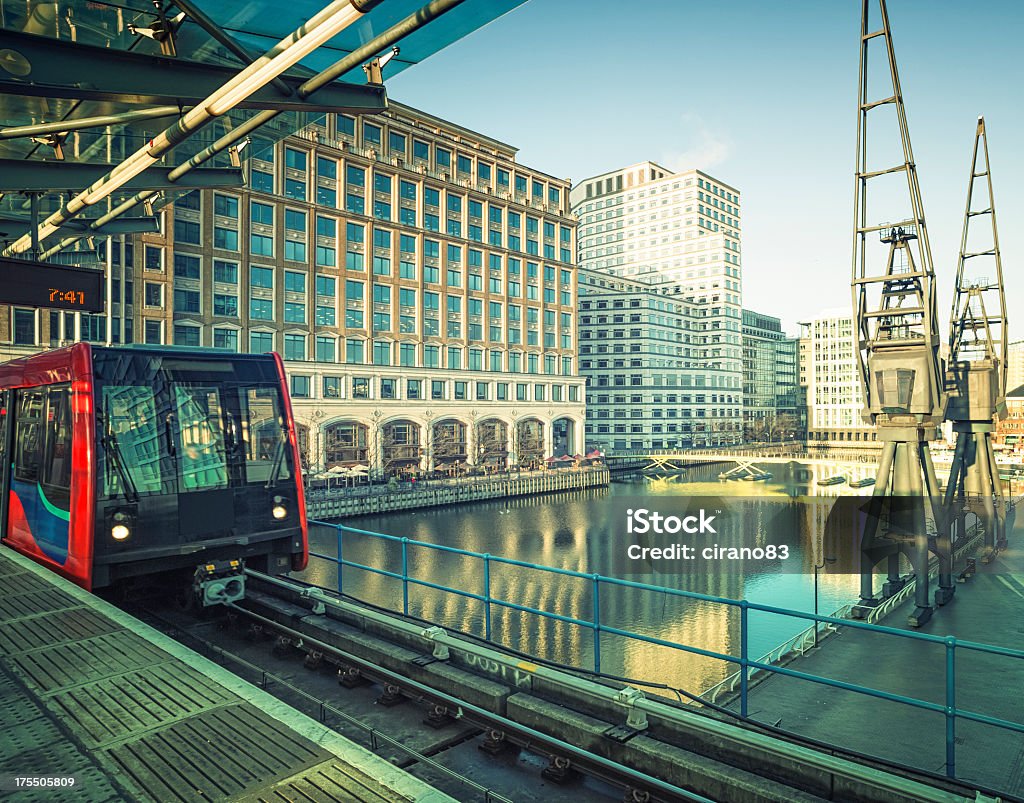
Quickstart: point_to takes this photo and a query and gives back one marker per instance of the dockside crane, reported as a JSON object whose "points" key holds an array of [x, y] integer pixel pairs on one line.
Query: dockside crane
{"points": [[976, 374], [901, 375]]}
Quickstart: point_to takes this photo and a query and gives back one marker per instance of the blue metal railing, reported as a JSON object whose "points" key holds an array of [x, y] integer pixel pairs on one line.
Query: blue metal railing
{"points": [[745, 663]]}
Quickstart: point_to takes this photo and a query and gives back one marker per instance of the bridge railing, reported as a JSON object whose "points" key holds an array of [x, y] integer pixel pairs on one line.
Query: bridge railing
{"points": [[483, 563]]}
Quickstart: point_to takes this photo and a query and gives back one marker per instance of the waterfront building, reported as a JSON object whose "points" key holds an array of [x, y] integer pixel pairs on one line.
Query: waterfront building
{"points": [[653, 380], [1014, 365], [418, 281], [685, 228], [769, 379], [830, 382], [1009, 431]]}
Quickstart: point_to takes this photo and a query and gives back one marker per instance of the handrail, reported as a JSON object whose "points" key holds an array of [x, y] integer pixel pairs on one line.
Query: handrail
{"points": [[805, 639], [748, 666]]}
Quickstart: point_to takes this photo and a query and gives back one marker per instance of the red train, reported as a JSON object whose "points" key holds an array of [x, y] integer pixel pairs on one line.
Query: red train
{"points": [[119, 463]]}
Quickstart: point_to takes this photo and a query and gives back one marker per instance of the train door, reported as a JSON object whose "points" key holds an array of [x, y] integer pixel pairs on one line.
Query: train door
{"points": [[38, 509], [5, 461]]}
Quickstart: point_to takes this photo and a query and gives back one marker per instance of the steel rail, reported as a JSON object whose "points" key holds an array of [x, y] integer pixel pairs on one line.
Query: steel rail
{"points": [[527, 737]]}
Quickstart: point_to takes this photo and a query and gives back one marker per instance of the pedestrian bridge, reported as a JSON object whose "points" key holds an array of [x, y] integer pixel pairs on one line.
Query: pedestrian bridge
{"points": [[679, 459]]}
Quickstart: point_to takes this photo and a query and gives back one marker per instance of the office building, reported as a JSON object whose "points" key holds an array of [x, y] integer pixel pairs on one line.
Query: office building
{"points": [[769, 379], [653, 379], [685, 228], [419, 283], [830, 382]]}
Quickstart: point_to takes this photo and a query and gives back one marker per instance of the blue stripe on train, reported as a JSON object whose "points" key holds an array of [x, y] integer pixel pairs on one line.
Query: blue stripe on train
{"points": [[48, 524]]}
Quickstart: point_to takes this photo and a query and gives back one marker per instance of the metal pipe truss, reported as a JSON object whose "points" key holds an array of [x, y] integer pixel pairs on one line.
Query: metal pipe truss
{"points": [[896, 319], [323, 26], [428, 13]]}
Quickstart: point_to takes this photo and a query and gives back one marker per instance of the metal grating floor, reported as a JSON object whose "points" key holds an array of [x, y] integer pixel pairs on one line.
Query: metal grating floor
{"points": [[83, 695]]}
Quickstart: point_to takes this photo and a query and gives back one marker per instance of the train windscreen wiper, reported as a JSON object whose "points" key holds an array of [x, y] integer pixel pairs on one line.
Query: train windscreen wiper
{"points": [[275, 466], [113, 450]]}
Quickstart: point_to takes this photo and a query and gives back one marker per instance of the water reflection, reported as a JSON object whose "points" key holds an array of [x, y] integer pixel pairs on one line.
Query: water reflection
{"points": [[574, 531]]}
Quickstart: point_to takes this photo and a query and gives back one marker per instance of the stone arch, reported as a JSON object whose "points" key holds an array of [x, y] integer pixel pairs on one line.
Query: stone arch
{"points": [[492, 443], [563, 436], [529, 442], [449, 443], [346, 443], [401, 446]]}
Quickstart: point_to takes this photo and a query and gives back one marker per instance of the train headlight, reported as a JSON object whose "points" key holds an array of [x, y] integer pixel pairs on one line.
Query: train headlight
{"points": [[120, 531], [279, 511]]}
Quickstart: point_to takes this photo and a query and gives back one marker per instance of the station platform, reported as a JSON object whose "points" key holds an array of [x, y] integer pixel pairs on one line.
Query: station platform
{"points": [[988, 609], [87, 691]]}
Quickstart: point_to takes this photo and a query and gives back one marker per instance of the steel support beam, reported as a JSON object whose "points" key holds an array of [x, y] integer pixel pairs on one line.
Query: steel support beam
{"points": [[431, 11], [62, 69], [12, 226], [19, 175], [316, 31], [79, 123]]}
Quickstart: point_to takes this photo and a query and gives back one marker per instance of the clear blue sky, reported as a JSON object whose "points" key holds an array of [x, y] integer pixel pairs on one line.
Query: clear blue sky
{"points": [[761, 94]]}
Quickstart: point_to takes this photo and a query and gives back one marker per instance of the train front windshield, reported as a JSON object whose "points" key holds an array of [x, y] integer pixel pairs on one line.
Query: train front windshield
{"points": [[176, 425]]}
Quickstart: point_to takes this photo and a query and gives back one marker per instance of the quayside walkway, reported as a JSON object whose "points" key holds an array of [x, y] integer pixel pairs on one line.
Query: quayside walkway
{"points": [[942, 673], [102, 708]]}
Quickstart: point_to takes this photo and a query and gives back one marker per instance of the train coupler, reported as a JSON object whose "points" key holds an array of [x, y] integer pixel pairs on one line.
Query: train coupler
{"points": [[219, 582]]}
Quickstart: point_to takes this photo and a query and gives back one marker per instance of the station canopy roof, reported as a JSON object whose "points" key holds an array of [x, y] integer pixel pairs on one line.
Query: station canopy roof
{"points": [[52, 71]]}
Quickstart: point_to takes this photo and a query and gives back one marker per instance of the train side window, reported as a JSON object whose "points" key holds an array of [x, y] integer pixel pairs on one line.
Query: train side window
{"points": [[262, 431], [55, 468], [28, 435]]}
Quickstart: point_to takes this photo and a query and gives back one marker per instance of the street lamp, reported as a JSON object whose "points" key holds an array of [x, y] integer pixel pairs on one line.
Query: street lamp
{"points": [[817, 567]]}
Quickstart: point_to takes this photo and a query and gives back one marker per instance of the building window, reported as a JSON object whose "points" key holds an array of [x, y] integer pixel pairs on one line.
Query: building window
{"points": [[300, 386], [226, 272], [154, 258], [154, 332], [24, 327], [186, 266], [262, 181], [186, 300], [225, 339], [354, 352], [154, 295], [261, 342], [295, 347], [186, 335], [332, 387], [186, 231]]}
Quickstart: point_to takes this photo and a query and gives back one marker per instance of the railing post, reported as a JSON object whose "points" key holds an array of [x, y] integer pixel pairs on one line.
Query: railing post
{"points": [[951, 707], [341, 565], [597, 621], [487, 596], [743, 659], [405, 576]]}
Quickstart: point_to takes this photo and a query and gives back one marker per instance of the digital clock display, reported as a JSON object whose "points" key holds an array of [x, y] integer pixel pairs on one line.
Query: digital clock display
{"points": [[39, 284]]}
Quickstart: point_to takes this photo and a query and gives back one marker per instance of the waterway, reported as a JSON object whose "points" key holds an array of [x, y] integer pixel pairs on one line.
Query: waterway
{"points": [[583, 532]]}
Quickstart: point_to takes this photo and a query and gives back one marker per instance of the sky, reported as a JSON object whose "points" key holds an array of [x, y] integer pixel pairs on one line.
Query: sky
{"points": [[763, 96]]}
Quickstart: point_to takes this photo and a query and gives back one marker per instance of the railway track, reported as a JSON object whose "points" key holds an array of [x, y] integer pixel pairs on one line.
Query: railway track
{"points": [[460, 748], [293, 640]]}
